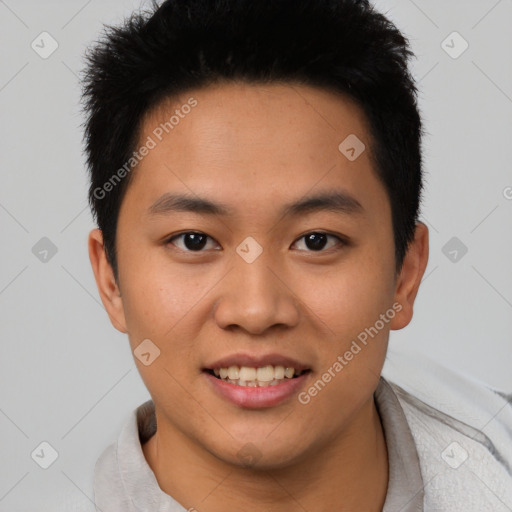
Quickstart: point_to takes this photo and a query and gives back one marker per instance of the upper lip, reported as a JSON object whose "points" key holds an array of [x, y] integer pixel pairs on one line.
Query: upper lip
{"points": [[256, 361]]}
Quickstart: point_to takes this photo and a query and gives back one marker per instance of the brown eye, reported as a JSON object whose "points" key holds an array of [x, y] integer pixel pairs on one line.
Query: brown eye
{"points": [[317, 241], [190, 241]]}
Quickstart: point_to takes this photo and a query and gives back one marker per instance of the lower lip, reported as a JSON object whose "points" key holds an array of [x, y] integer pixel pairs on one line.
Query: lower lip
{"points": [[257, 397]]}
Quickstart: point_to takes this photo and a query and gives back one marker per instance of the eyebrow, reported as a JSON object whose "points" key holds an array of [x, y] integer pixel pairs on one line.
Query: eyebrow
{"points": [[338, 202]]}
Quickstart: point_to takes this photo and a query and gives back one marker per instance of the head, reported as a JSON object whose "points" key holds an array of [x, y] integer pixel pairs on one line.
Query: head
{"points": [[256, 179]]}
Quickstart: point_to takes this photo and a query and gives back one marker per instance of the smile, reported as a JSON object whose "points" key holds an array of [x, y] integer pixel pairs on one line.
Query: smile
{"points": [[263, 376]]}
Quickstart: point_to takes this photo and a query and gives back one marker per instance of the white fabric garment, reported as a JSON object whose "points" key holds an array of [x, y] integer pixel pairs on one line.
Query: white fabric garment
{"points": [[125, 482], [451, 417], [449, 442]]}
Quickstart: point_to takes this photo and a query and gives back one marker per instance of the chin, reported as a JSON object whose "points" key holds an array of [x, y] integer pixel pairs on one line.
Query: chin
{"points": [[260, 455]]}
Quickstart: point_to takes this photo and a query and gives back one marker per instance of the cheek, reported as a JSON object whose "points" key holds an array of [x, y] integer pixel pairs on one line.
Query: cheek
{"points": [[169, 305], [350, 298], [350, 304], [157, 295], [159, 304]]}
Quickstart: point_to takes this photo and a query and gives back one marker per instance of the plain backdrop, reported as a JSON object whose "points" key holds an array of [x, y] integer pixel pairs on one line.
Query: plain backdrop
{"points": [[67, 377]]}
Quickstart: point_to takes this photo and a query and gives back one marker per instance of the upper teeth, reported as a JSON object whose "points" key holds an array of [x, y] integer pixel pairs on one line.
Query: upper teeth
{"points": [[247, 375]]}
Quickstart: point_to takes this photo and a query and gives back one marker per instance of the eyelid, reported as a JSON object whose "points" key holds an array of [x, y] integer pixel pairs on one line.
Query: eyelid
{"points": [[342, 241], [169, 240]]}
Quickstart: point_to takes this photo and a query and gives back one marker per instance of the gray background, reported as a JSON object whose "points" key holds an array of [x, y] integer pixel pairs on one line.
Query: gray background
{"points": [[67, 376]]}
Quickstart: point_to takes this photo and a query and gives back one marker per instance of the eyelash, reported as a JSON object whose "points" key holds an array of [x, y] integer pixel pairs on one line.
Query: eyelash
{"points": [[341, 241]]}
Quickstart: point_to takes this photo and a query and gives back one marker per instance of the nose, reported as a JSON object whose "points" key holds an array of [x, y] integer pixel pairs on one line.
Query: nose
{"points": [[255, 297]]}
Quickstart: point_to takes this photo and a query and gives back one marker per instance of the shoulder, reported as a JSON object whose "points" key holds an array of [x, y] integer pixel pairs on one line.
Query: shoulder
{"points": [[109, 488], [462, 429]]}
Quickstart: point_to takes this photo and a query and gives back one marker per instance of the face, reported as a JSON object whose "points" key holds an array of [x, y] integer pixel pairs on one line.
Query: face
{"points": [[258, 259]]}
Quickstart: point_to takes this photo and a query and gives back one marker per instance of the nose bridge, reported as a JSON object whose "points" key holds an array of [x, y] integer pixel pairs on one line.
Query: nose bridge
{"points": [[252, 297]]}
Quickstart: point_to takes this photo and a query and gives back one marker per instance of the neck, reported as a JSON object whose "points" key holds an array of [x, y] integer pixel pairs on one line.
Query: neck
{"points": [[349, 472]]}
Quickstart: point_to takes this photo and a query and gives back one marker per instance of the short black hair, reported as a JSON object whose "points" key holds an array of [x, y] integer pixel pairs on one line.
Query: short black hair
{"points": [[344, 46]]}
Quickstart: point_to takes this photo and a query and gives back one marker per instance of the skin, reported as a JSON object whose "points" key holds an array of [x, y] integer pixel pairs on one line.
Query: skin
{"points": [[256, 148]]}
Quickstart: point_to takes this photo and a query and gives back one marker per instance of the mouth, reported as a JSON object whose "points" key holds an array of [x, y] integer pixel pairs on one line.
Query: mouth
{"points": [[256, 377], [256, 382]]}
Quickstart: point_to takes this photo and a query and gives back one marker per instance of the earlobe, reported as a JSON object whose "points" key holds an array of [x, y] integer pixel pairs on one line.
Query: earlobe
{"points": [[105, 281], [411, 274]]}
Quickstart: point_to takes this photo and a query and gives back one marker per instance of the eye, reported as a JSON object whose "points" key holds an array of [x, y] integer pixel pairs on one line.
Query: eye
{"points": [[191, 241], [317, 241]]}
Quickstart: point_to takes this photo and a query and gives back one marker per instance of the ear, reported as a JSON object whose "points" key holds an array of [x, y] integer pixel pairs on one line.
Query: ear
{"points": [[411, 274], [105, 281]]}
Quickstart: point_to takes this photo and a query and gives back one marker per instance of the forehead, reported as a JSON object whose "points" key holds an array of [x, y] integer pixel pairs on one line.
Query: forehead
{"points": [[252, 142], [284, 115]]}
